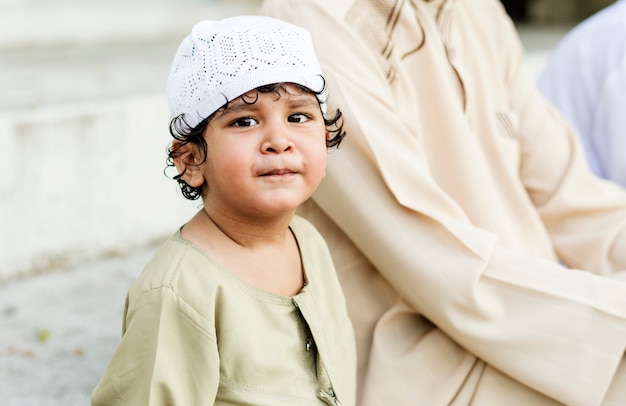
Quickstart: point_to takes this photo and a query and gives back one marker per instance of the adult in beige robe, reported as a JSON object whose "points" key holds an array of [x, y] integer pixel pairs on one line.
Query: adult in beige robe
{"points": [[482, 261]]}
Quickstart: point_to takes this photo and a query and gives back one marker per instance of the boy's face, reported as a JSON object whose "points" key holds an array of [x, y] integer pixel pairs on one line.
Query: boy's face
{"points": [[267, 157]]}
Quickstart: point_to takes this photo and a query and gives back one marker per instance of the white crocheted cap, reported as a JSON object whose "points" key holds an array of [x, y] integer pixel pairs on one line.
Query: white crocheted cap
{"points": [[221, 60]]}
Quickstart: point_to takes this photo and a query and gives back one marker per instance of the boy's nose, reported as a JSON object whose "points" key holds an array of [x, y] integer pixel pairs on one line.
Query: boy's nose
{"points": [[277, 140]]}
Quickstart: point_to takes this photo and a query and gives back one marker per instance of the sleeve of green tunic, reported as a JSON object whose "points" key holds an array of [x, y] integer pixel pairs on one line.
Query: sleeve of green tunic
{"points": [[167, 355]]}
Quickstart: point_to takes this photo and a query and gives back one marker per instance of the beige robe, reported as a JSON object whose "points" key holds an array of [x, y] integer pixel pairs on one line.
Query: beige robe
{"points": [[460, 213]]}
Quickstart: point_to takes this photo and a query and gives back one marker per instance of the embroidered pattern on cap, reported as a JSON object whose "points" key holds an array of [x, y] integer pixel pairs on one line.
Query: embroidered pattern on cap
{"points": [[221, 60]]}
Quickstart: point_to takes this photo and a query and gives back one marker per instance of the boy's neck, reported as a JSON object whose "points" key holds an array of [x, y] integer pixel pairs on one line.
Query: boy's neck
{"points": [[264, 254], [250, 234]]}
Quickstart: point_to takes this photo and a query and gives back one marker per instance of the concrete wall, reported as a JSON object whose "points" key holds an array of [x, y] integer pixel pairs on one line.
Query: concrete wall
{"points": [[81, 180], [62, 23], [83, 176]]}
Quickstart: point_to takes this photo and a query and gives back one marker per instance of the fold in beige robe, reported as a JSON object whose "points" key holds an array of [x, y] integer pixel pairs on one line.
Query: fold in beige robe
{"points": [[451, 208]]}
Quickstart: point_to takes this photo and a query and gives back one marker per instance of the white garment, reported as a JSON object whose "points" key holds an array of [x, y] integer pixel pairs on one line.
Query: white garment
{"points": [[585, 77]]}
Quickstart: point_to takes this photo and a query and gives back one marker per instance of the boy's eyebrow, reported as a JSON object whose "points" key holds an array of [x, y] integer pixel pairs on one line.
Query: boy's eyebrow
{"points": [[304, 101], [233, 107], [236, 105]]}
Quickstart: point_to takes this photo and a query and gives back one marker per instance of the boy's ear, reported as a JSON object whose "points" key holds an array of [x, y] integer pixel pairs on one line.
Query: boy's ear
{"points": [[185, 160]]}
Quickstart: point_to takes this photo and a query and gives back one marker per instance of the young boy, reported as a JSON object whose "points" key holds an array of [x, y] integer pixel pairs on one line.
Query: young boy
{"points": [[242, 304]]}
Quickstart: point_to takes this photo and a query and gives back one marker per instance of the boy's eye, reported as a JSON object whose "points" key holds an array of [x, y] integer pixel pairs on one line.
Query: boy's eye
{"points": [[244, 122], [298, 118]]}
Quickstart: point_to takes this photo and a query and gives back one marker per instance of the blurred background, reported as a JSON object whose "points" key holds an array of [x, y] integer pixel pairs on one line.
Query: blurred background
{"points": [[553, 11], [83, 120], [83, 197]]}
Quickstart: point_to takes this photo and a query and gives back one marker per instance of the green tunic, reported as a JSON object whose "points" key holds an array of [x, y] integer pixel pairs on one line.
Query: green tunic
{"points": [[194, 334]]}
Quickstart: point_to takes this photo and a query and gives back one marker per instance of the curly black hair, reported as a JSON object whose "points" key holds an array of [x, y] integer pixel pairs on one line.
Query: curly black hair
{"points": [[185, 134]]}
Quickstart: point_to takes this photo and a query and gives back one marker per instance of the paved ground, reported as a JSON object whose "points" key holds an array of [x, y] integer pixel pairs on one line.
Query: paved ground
{"points": [[58, 330]]}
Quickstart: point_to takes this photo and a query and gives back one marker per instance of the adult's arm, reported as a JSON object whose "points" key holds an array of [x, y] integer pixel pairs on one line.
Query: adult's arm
{"points": [[584, 215]]}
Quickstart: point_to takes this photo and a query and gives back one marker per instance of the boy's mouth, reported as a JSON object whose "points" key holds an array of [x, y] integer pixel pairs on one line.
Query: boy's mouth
{"points": [[278, 172]]}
